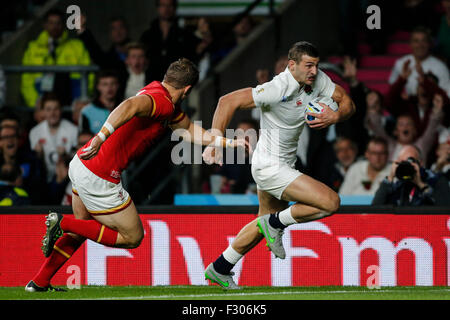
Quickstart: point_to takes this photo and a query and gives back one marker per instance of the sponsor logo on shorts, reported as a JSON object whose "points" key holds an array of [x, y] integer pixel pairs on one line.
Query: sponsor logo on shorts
{"points": [[115, 174]]}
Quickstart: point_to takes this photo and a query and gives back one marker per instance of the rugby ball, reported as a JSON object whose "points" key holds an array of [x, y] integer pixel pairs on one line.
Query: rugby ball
{"points": [[314, 106]]}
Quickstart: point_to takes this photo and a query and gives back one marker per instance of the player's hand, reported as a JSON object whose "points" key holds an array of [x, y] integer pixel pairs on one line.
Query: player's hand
{"points": [[213, 155], [243, 143], [92, 150], [406, 70], [324, 119]]}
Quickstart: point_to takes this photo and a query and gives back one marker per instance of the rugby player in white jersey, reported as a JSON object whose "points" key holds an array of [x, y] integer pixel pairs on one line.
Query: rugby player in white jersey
{"points": [[282, 101]]}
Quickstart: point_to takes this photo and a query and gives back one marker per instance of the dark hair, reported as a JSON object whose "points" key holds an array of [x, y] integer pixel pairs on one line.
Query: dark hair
{"points": [[377, 140], [424, 30], [174, 3], [106, 73], [378, 93], [54, 12], [8, 113], [136, 45], [345, 138], [301, 48], [10, 172], [50, 96], [181, 73], [121, 19]]}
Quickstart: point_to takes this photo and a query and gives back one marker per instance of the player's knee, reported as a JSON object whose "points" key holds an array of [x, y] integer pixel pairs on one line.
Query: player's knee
{"points": [[136, 241], [133, 241], [333, 203]]}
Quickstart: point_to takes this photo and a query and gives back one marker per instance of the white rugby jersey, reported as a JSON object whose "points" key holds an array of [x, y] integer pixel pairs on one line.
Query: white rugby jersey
{"points": [[66, 136], [283, 102]]}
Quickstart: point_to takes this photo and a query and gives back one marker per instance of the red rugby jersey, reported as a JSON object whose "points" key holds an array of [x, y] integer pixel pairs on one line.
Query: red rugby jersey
{"points": [[134, 137]]}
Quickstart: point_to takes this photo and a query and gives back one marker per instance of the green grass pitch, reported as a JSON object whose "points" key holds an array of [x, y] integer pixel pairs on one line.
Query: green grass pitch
{"points": [[216, 293]]}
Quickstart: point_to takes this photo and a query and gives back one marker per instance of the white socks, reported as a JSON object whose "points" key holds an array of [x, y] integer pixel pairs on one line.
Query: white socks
{"points": [[286, 218], [231, 255]]}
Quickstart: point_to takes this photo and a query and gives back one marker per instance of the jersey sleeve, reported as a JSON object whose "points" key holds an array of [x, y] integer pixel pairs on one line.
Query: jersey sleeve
{"points": [[162, 106], [324, 84], [178, 115], [267, 94]]}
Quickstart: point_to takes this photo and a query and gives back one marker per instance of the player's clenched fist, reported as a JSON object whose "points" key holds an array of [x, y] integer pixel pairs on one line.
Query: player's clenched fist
{"points": [[92, 150]]}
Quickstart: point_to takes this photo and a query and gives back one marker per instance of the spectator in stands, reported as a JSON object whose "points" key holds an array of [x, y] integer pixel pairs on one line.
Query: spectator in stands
{"points": [[360, 93], [346, 152], [115, 57], [9, 117], [32, 170], [374, 104], [119, 37], [11, 193], [420, 61], [406, 132], [136, 62], [241, 29], [443, 34], [419, 105], [77, 106], [442, 163], [264, 75], [54, 137], [412, 185], [364, 176], [53, 47], [237, 176], [106, 99], [166, 41], [2, 87], [205, 46]]}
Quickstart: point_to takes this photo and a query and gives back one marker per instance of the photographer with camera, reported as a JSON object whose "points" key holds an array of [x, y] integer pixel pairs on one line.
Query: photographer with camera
{"points": [[410, 184]]}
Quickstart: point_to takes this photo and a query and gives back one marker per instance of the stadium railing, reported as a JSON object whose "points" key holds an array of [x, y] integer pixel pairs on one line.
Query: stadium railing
{"points": [[83, 70]]}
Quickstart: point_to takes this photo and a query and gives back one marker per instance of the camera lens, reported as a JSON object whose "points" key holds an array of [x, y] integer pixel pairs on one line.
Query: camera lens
{"points": [[405, 170]]}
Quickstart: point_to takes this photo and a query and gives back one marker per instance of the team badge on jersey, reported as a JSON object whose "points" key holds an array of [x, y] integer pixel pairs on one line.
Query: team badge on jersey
{"points": [[299, 102]]}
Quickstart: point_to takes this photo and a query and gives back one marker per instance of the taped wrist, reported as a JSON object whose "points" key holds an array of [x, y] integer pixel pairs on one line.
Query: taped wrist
{"points": [[222, 142], [106, 131]]}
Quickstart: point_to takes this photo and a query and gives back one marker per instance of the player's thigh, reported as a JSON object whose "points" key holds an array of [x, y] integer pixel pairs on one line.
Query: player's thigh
{"points": [[79, 209], [127, 222], [309, 191], [269, 204]]}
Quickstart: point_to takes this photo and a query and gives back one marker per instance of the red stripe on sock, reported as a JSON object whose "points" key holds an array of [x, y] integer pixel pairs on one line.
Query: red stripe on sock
{"points": [[90, 229], [66, 244]]}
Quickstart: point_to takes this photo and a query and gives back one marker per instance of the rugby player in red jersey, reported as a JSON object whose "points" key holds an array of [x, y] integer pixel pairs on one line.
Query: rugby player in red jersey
{"points": [[103, 210]]}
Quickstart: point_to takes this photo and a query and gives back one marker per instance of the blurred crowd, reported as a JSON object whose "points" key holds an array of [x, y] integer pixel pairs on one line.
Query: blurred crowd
{"points": [[356, 157], [36, 151]]}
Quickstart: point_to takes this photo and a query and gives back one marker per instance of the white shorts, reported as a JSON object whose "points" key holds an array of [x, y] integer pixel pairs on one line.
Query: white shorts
{"points": [[272, 175], [98, 195]]}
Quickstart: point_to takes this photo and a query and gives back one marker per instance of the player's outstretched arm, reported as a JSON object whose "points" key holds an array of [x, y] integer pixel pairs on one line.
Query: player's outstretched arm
{"points": [[328, 117], [191, 132], [226, 107], [134, 106]]}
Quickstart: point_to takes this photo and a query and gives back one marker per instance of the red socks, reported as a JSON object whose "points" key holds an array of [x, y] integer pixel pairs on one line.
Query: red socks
{"points": [[63, 249], [90, 229], [65, 246]]}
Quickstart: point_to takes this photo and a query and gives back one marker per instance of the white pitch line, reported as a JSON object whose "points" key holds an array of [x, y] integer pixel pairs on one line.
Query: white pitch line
{"points": [[173, 296]]}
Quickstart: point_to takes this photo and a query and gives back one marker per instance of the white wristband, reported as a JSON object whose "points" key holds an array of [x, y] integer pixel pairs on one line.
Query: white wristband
{"points": [[102, 136], [221, 142], [108, 126]]}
